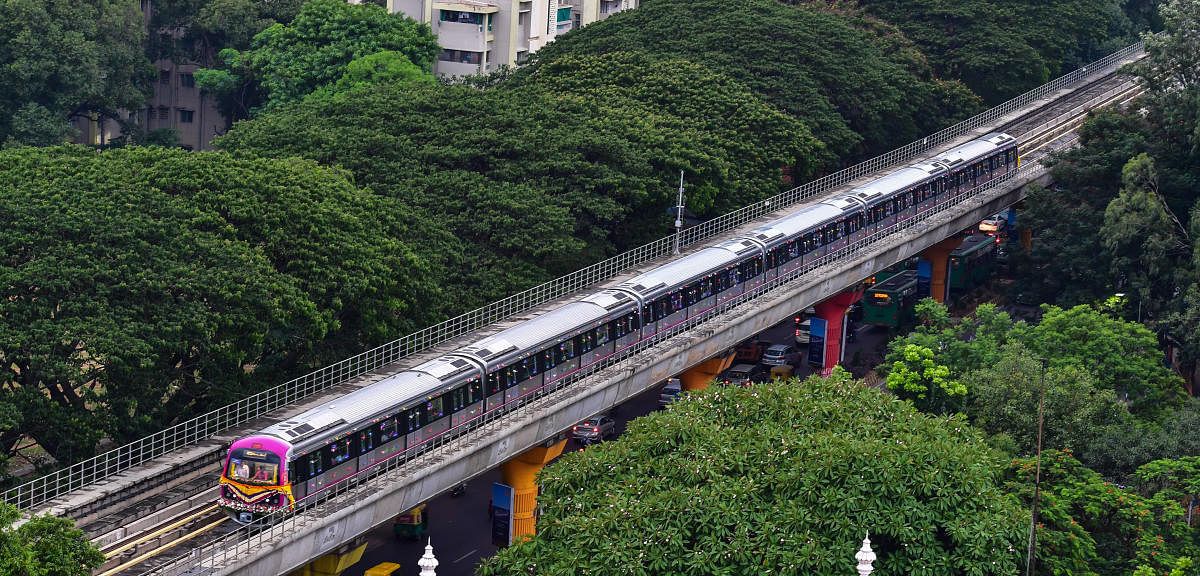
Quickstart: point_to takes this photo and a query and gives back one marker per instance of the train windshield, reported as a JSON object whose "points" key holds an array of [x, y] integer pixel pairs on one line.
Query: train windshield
{"points": [[253, 467]]}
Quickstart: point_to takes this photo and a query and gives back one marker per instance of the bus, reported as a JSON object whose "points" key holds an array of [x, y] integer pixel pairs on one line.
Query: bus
{"points": [[971, 263], [890, 303]]}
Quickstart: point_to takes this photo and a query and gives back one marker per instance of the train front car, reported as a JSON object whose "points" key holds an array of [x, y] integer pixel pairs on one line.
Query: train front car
{"points": [[254, 482]]}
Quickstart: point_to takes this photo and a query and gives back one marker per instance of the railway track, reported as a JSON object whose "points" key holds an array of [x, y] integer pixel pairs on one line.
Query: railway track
{"points": [[158, 544]]}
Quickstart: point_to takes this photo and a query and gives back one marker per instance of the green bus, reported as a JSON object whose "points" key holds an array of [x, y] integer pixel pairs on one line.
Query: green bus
{"points": [[890, 303], [971, 263]]}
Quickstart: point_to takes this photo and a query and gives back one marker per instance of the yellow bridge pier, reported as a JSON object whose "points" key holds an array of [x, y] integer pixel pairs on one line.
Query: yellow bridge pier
{"points": [[521, 474], [697, 377]]}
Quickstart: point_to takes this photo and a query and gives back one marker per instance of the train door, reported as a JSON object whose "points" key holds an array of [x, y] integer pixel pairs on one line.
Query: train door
{"points": [[521, 377], [466, 401], [562, 359], [384, 442], [625, 330]]}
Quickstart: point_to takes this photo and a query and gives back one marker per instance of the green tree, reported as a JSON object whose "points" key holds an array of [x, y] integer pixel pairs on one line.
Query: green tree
{"points": [[1090, 526], [926, 383], [775, 479], [377, 68], [288, 62], [44, 546], [1005, 399], [143, 285], [858, 84], [999, 48], [515, 184], [64, 59]]}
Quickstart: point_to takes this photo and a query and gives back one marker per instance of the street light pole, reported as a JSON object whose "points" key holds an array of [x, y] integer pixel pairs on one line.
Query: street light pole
{"points": [[1037, 478], [679, 214]]}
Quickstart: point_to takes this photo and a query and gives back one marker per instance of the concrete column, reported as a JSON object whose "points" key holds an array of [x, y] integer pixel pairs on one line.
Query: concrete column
{"points": [[939, 256], [833, 312], [521, 473], [697, 377]]}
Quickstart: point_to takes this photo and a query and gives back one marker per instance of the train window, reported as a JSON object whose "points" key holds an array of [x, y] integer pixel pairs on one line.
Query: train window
{"points": [[493, 385], [435, 409], [601, 335], [619, 327], [366, 441], [547, 358], [339, 451], [313, 465], [412, 418], [458, 399], [508, 376], [676, 302], [475, 390], [388, 430], [564, 351], [706, 288], [586, 342]]}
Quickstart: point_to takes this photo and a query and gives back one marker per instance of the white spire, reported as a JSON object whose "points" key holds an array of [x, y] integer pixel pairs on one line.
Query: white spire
{"points": [[865, 556], [427, 562]]}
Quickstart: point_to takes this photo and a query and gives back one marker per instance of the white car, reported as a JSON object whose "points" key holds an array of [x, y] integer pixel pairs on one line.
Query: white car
{"points": [[780, 354]]}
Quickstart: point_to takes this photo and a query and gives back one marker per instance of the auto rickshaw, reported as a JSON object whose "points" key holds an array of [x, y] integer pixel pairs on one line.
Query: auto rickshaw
{"points": [[781, 372], [411, 524]]}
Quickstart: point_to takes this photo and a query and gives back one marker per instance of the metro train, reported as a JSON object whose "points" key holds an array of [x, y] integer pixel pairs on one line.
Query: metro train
{"points": [[282, 465]]}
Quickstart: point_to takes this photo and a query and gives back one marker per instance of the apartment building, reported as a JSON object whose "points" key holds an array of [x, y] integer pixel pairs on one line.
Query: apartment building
{"points": [[176, 103], [480, 36]]}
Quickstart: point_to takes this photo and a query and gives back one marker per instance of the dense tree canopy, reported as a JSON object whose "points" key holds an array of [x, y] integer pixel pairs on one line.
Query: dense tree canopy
{"points": [[1123, 215], [857, 83], [517, 184], [1089, 526], [67, 58], [775, 479], [44, 546], [145, 285], [1108, 396], [1000, 48], [287, 62]]}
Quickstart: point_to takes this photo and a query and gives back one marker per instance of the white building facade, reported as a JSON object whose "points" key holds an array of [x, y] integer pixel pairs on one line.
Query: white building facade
{"points": [[481, 36]]}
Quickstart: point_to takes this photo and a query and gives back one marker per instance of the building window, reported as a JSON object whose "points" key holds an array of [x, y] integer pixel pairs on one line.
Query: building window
{"points": [[187, 80], [164, 76], [461, 17], [186, 116], [164, 113]]}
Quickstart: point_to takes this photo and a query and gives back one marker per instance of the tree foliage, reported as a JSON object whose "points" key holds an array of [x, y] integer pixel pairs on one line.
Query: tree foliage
{"points": [[1090, 526], [516, 184], [145, 285], [857, 83], [999, 48], [287, 62], [63, 59], [775, 479], [44, 546]]}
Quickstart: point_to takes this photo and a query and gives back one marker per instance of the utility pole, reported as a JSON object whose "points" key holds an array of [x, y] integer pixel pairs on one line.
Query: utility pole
{"points": [[1037, 478], [679, 214]]}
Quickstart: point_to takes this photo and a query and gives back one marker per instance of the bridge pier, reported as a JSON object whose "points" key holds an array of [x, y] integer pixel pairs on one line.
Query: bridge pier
{"points": [[521, 474], [938, 256], [697, 377], [833, 312]]}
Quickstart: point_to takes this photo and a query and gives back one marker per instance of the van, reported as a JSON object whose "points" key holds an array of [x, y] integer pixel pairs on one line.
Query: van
{"points": [[741, 375], [780, 354]]}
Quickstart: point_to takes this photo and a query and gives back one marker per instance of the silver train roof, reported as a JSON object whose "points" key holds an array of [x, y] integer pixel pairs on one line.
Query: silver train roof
{"points": [[354, 407], [533, 333], [654, 282]]}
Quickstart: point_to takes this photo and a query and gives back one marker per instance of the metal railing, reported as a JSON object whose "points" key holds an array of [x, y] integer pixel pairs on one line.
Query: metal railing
{"points": [[244, 541], [50, 486]]}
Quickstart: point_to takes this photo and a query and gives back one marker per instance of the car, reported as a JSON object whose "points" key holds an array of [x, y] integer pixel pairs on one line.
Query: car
{"points": [[992, 226], [802, 329], [595, 429], [670, 392], [780, 354], [741, 375]]}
